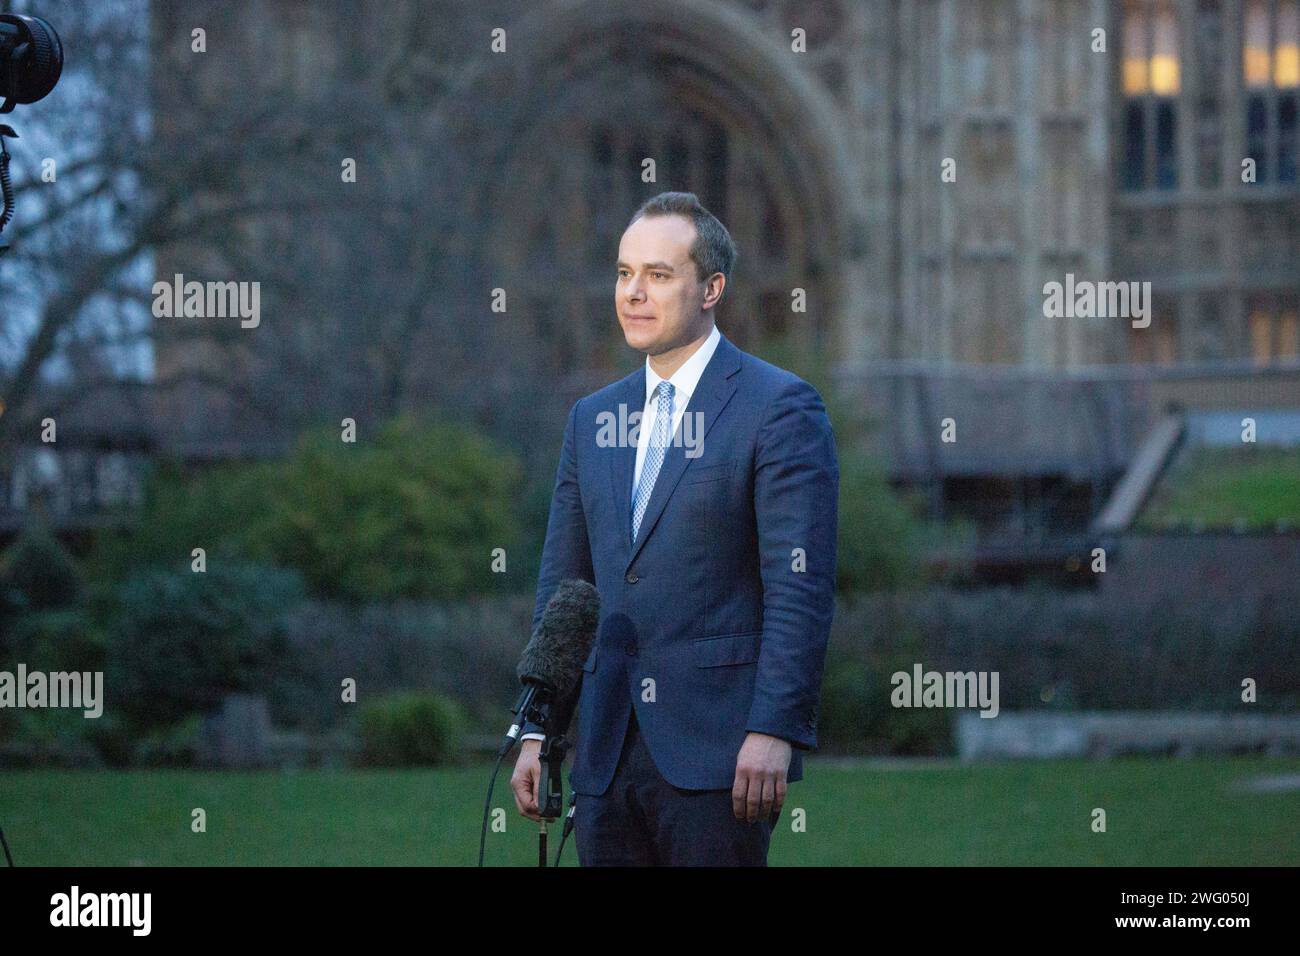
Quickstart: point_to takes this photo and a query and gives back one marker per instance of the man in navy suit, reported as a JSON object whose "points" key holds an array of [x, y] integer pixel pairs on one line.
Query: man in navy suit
{"points": [[709, 532]]}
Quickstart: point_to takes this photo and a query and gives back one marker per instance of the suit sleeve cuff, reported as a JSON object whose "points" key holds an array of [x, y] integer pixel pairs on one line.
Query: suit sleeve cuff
{"points": [[805, 739]]}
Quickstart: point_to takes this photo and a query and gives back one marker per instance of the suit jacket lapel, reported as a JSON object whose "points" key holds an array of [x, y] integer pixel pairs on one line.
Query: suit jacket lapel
{"points": [[715, 388]]}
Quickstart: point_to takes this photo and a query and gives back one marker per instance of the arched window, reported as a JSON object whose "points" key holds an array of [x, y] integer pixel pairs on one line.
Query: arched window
{"points": [[577, 175], [1274, 328]]}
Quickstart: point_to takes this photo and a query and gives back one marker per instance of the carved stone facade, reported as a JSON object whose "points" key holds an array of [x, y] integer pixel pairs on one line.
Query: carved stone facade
{"points": [[1111, 156]]}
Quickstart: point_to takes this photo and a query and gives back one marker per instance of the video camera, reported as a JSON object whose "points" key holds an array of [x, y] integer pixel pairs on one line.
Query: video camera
{"points": [[31, 62]]}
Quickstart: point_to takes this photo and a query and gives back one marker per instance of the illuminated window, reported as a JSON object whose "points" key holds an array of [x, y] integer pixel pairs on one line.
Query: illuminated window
{"points": [[1274, 328], [1256, 55], [1271, 73], [1261, 336], [1158, 342], [1286, 58], [1151, 80], [1137, 73], [1164, 54]]}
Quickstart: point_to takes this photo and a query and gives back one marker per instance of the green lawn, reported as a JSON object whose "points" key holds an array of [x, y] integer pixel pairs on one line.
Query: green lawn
{"points": [[1159, 812], [1224, 487]]}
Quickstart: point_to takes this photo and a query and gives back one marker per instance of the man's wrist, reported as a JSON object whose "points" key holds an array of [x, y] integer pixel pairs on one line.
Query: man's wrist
{"points": [[794, 743]]}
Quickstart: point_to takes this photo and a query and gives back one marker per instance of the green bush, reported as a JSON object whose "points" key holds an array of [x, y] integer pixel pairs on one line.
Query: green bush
{"points": [[50, 737], [858, 715], [53, 640], [182, 511], [41, 622], [410, 729], [413, 512], [114, 739], [879, 539], [180, 641], [174, 746], [38, 573]]}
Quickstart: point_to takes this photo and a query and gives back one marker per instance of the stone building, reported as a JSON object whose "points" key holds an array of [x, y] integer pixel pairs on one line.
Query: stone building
{"points": [[1099, 138], [913, 172]]}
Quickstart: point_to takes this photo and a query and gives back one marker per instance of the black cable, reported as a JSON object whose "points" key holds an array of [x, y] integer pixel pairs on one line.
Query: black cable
{"points": [[6, 186], [5, 843], [487, 806], [568, 826]]}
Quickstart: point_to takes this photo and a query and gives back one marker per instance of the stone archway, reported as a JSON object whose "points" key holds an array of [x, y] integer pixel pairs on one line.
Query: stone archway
{"points": [[595, 86]]}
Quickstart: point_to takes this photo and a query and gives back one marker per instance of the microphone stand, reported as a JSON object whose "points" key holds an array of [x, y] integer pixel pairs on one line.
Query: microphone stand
{"points": [[555, 747]]}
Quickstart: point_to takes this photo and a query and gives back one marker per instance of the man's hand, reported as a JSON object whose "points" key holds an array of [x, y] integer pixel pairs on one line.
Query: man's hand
{"points": [[761, 767], [524, 781]]}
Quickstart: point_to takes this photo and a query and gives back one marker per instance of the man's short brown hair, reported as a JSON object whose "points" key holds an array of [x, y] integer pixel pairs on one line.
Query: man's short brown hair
{"points": [[713, 249]]}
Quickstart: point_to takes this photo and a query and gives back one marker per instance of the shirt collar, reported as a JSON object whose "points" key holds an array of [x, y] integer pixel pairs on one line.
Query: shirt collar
{"points": [[686, 378]]}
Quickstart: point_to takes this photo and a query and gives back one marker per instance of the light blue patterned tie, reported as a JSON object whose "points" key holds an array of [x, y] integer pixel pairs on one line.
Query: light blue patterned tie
{"points": [[654, 455]]}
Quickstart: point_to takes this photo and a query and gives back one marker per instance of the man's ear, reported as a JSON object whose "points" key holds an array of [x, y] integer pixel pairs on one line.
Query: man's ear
{"points": [[713, 290]]}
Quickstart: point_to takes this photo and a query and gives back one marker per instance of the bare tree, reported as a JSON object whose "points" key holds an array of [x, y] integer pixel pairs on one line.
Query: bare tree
{"points": [[226, 164], [129, 184]]}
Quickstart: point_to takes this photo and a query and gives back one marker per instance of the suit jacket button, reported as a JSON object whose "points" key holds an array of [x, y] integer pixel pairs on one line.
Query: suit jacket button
{"points": [[631, 650], [632, 578]]}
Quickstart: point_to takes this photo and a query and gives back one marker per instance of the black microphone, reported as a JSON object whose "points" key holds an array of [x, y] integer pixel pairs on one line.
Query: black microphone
{"points": [[551, 664]]}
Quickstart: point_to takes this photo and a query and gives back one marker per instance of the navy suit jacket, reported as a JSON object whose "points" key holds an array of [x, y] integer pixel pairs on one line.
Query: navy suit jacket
{"points": [[715, 621]]}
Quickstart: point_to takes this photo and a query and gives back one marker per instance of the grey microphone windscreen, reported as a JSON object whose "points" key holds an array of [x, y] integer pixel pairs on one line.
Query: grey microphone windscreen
{"points": [[555, 653]]}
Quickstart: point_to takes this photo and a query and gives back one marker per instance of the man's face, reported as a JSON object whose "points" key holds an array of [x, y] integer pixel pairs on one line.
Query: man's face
{"points": [[659, 297]]}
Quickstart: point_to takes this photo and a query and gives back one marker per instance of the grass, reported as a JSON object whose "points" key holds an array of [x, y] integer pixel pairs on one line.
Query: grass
{"points": [[1158, 812], [1224, 488]]}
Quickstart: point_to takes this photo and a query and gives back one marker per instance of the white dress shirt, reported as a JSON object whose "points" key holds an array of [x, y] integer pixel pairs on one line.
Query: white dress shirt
{"points": [[684, 380]]}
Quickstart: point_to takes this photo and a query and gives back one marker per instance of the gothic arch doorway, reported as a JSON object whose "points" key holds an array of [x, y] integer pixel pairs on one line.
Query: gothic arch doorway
{"points": [[609, 90]]}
